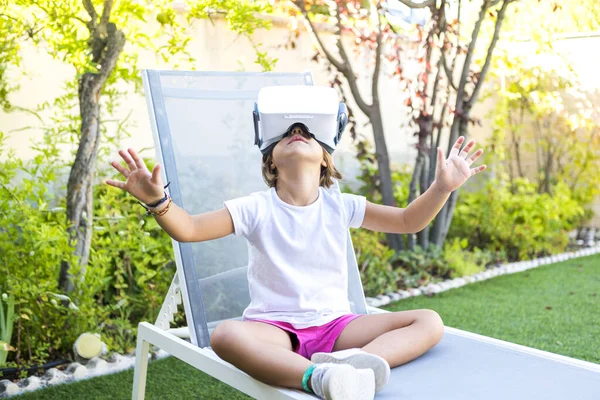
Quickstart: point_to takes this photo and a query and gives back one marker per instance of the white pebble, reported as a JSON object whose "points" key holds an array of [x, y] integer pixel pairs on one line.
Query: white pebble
{"points": [[8, 388], [77, 370], [31, 383], [55, 376], [97, 366], [394, 296]]}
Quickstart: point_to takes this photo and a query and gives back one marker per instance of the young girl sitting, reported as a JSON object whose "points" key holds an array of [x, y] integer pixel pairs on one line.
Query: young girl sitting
{"points": [[298, 330]]}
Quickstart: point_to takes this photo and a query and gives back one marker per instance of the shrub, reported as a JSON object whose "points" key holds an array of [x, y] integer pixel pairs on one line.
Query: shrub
{"points": [[522, 222], [420, 266], [33, 242], [373, 260], [131, 265], [129, 270], [462, 262]]}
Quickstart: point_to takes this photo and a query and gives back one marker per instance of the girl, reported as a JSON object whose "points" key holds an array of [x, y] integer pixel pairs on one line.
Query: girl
{"points": [[298, 331]]}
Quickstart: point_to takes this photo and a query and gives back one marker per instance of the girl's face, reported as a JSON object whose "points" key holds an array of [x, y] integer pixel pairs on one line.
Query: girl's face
{"points": [[297, 146]]}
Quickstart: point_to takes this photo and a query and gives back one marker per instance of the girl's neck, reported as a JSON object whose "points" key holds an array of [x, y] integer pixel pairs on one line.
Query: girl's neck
{"points": [[298, 190]]}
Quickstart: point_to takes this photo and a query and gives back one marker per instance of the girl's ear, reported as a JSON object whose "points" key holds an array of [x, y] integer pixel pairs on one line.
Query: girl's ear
{"points": [[324, 164]]}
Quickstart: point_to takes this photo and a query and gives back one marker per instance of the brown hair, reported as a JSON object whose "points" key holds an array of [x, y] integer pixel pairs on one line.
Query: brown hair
{"points": [[327, 173]]}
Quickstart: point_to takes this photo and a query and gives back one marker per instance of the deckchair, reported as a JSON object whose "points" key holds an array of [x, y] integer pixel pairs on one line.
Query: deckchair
{"points": [[204, 138]]}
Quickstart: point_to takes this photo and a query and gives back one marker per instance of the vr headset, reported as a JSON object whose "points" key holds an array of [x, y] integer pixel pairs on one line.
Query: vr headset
{"points": [[317, 109]]}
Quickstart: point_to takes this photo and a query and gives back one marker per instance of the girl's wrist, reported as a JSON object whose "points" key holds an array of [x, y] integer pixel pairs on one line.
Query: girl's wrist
{"points": [[156, 202], [161, 209], [158, 207], [440, 188]]}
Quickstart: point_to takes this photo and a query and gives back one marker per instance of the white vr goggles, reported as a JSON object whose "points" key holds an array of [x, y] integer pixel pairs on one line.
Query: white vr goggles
{"points": [[317, 109]]}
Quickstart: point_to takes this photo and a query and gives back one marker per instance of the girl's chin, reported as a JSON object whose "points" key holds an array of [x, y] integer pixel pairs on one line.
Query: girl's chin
{"points": [[296, 159]]}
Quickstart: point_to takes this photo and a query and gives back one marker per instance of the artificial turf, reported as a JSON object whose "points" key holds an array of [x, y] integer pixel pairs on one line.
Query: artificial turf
{"points": [[554, 308], [167, 379]]}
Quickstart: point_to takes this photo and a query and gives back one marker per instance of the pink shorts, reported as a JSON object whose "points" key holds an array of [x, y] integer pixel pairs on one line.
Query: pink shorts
{"points": [[315, 339]]}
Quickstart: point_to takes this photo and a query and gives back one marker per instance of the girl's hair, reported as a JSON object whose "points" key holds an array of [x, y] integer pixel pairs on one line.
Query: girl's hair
{"points": [[327, 173]]}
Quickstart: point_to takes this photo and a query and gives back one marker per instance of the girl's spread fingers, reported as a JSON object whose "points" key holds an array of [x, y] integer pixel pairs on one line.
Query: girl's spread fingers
{"points": [[465, 151], [475, 156], [478, 169], [457, 144], [138, 160], [118, 184], [124, 171], [156, 174], [128, 160]]}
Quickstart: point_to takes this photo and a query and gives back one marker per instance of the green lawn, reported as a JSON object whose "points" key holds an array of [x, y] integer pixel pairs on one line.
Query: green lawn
{"points": [[168, 379], [554, 308]]}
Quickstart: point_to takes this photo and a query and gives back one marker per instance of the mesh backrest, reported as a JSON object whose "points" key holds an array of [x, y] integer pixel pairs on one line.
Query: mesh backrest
{"points": [[204, 137]]}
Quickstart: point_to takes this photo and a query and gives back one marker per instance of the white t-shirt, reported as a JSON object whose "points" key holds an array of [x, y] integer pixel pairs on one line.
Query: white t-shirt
{"points": [[298, 271]]}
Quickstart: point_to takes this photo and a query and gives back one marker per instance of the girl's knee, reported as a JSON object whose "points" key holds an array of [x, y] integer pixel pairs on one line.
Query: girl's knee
{"points": [[434, 325], [224, 335]]}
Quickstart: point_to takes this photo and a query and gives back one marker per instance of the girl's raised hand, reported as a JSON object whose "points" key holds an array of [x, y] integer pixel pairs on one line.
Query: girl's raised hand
{"points": [[142, 184], [454, 171]]}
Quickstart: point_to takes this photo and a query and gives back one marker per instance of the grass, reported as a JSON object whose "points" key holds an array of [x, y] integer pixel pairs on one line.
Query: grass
{"points": [[168, 379], [554, 308]]}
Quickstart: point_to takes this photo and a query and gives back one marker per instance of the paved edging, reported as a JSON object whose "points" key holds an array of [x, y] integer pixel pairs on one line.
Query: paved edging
{"points": [[510, 268]]}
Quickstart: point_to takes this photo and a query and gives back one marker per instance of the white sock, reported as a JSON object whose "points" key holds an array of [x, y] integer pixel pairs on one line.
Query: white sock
{"points": [[316, 379]]}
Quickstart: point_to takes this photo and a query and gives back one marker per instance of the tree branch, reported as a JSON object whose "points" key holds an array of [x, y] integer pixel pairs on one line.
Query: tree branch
{"points": [[449, 73], [347, 71], [375, 81], [114, 46], [488, 58], [342, 66], [412, 4], [336, 63], [470, 53], [89, 7], [108, 4]]}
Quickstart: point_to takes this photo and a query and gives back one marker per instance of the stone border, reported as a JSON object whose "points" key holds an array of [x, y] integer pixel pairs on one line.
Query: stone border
{"points": [[74, 372], [511, 268]]}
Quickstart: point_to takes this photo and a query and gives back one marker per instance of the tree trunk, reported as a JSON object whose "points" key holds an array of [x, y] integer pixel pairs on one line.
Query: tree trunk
{"points": [[81, 178], [385, 174], [423, 236], [439, 230], [106, 44], [421, 174], [413, 191]]}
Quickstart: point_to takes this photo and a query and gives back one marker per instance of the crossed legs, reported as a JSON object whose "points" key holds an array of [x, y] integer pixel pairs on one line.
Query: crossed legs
{"points": [[398, 337], [265, 352]]}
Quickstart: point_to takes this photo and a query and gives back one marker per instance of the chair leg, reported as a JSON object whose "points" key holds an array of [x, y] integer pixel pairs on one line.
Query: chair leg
{"points": [[141, 368]]}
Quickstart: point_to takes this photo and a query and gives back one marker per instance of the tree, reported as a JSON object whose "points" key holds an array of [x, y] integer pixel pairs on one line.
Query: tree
{"points": [[548, 117], [101, 40], [438, 97]]}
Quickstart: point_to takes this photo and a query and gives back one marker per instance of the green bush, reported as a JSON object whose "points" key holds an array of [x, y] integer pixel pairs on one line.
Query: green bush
{"points": [[33, 242], [462, 262], [129, 271], [420, 266], [521, 222], [131, 265], [373, 259]]}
